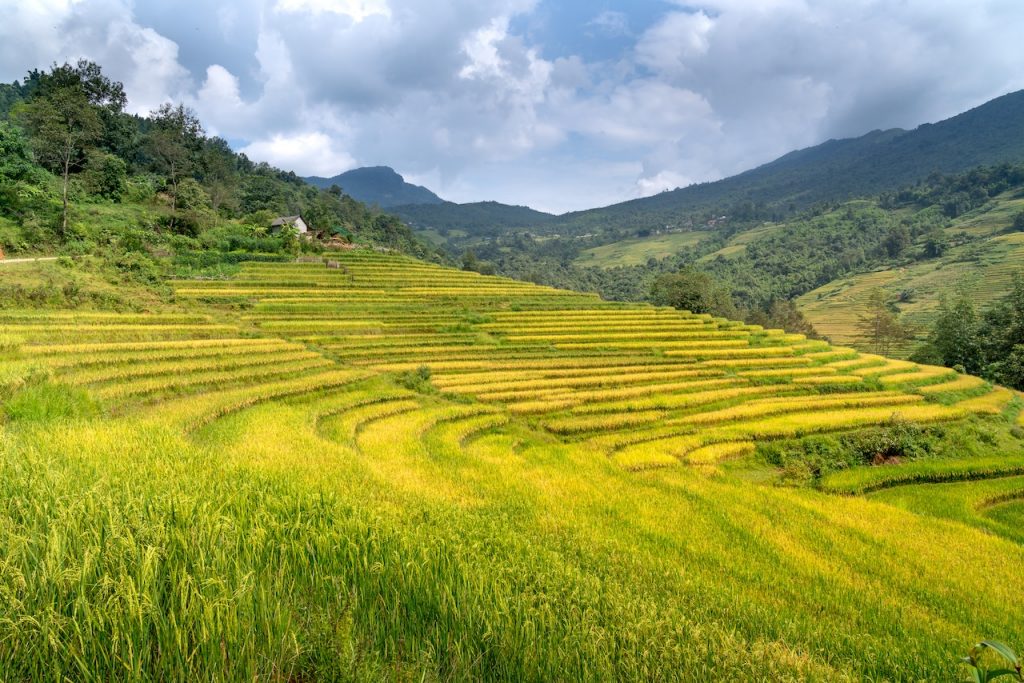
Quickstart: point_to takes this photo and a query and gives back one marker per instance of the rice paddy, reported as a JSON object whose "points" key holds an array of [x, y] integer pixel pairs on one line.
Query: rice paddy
{"points": [[398, 471]]}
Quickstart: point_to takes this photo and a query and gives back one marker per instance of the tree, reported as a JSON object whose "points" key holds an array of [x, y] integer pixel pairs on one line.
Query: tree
{"points": [[693, 291], [880, 324], [107, 98], [62, 123], [955, 334], [1018, 222], [106, 175], [783, 314], [174, 143], [936, 243], [15, 156]]}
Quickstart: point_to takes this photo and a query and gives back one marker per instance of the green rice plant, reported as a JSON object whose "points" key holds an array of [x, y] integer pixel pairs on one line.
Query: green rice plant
{"points": [[47, 402], [717, 452], [868, 479], [161, 385]]}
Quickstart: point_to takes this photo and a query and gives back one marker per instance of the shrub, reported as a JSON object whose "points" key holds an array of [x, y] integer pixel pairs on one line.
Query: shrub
{"points": [[417, 380]]}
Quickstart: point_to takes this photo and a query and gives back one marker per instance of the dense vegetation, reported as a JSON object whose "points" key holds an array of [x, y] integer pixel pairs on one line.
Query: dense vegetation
{"points": [[460, 224], [78, 175], [989, 344]]}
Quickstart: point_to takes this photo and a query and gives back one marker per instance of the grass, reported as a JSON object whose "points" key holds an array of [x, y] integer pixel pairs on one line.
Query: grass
{"points": [[637, 252], [478, 482]]}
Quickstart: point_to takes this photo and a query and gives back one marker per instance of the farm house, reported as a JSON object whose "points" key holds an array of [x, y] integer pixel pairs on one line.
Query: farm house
{"points": [[296, 223]]}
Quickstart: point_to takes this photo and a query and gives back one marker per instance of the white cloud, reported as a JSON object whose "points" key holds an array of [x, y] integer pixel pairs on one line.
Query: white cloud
{"points": [[466, 94], [611, 23], [669, 46], [357, 10], [304, 153]]}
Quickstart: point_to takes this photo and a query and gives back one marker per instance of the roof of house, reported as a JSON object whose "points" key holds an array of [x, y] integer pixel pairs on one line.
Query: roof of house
{"points": [[284, 220]]}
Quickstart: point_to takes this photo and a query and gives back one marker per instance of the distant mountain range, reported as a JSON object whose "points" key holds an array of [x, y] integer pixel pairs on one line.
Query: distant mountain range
{"points": [[421, 208], [987, 135], [835, 170], [378, 185], [477, 218]]}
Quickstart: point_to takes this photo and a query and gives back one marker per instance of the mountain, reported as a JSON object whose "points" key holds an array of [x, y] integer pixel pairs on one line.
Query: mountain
{"points": [[476, 218], [990, 134], [379, 185]]}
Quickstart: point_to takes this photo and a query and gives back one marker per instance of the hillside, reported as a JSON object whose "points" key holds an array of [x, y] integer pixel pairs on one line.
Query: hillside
{"points": [[987, 254], [391, 469], [448, 222], [990, 134], [378, 185]]}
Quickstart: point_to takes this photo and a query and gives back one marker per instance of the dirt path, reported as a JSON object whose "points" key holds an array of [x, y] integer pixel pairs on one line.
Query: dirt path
{"points": [[27, 260]]}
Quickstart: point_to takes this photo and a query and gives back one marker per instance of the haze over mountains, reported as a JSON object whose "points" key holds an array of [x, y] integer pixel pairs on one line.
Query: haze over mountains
{"points": [[990, 134]]}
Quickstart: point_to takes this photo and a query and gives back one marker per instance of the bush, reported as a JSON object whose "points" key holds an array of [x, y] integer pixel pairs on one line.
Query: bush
{"points": [[105, 176], [417, 380], [804, 460]]}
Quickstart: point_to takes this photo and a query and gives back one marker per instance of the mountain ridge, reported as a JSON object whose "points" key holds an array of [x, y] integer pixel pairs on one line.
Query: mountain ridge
{"points": [[843, 168], [380, 185]]}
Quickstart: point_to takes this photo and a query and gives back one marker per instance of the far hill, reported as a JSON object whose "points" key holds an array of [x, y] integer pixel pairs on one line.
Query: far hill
{"points": [[836, 170], [477, 219], [379, 185]]}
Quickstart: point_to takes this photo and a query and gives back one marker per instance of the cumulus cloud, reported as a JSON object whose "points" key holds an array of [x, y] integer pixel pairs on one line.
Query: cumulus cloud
{"points": [[305, 153], [488, 99]]}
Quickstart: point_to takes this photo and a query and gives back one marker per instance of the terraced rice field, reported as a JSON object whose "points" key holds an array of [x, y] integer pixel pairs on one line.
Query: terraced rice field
{"points": [[274, 488], [984, 271]]}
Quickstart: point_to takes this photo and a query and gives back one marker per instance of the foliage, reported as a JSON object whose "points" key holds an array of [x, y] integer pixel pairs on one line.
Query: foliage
{"points": [[990, 344], [813, 457], [165, 177], [982, 674], [417, 380], [694, 291]]}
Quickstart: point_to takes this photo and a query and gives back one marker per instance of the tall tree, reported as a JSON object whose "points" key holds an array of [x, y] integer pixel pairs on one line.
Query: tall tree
{"points": [[62, 124], [955, 334], [106, 96], [880, 325], [174, 143]]}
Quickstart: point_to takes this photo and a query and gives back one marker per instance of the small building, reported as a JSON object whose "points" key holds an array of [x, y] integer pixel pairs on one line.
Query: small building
{"points": [[294, 222]]}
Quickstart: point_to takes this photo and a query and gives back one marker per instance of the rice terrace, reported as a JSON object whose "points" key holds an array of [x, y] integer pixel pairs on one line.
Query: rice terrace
{"points": [[674, 342], [392, 467]]}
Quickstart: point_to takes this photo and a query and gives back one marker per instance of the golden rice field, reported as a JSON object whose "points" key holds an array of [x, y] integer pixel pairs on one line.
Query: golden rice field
{"points": [[264, 482]]}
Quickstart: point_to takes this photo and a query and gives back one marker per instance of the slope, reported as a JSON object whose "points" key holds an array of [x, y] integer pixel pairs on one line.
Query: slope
{"points": [[990, 134], [395, 470]]}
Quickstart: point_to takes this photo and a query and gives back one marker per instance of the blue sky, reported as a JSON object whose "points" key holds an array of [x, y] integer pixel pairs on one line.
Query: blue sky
{"points": [[560, 105]]}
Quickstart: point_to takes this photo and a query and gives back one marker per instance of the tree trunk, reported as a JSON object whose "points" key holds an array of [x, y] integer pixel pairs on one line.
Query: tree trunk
{"points": [[174, 198], [64, 197]]}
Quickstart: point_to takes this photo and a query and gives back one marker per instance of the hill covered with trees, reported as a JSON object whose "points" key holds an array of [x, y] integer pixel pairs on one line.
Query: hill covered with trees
{"points": [[78, 174]]}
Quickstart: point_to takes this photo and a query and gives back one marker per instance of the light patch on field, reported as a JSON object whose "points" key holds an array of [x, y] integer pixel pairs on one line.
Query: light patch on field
{"points": [[637, 252]]}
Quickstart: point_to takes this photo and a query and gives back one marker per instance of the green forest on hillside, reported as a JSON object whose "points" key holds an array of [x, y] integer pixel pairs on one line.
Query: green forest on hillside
{"points": [[79, 175]]}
